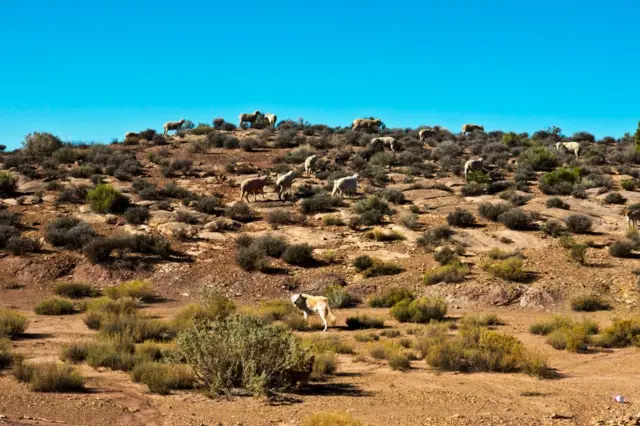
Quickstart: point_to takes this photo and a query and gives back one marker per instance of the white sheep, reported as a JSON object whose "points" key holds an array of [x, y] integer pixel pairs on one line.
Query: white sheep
{"points": [[386, 141], [284, 182], [345, 185], [309, 164], [173, 125], [366, 123], [472, 165], [468, 128], [253, 186], [131, 135], [249, 117], [569, 146], [271, 119], [423, 134]]}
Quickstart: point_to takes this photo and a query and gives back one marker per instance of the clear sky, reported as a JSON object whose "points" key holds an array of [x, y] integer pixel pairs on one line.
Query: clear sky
{"points": [[92, 70]]}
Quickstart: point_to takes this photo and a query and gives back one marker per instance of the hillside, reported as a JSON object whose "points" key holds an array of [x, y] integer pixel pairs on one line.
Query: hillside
{"points": [[528, 232]]}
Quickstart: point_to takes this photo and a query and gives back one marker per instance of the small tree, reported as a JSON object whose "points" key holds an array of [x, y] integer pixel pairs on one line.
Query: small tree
{"points": [[636, 138]]}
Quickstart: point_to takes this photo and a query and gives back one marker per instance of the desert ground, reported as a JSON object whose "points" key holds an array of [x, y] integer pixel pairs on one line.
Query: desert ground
{"points": [[423, 188]]}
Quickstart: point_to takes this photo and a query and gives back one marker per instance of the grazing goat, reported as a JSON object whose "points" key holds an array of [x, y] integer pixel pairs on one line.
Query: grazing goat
{"points": [[249, 117], [313, 304], [468, 128], [633, 217], [472, 165], [423, 134], [345, 185], [173, 125], [253, 186], [309, 164], [386, 141], [366, 124], [569, 146], [271, 119], [284, 182]]}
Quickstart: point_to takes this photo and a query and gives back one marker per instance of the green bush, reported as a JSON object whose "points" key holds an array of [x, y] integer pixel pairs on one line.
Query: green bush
{"points": [[318, 203], [319, 344], [99, 250], [105, 199], [363, 262], [589, 303], [557, 203], [332, 220], [453, 273], [461, 218], [515, 219], [136, 215], [111, 354], [628, 184], [69, 232], [615, 198], [390, 297], [446, 255], [273, 246], [240, 211], [579, 224], [473, 189], [5, 353], [41, 145], [539, 158], [621, 249], [422, 310], [281, 217], [324, 364], [54, 306], [380, 268], [136, 289], [362, 322], [621, 333], [399, 361], [339, 297], [19, 246], [49, 377], [75, 290], [251, 258], [7, 184], [298, 254], [75, 352], [509, 269], [241, 352], [480, 320], [477, 349], [161, 378], [492, 211], [214, 305], [379, 234]]}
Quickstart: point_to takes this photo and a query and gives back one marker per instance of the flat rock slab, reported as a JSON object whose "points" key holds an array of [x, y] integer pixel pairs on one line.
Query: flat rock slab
{"points": [[175, 228], [92, 217], [158, 217], [31, 187], [299, 235], [382, 254], [478, 240], [212, 236], [426, 194]]}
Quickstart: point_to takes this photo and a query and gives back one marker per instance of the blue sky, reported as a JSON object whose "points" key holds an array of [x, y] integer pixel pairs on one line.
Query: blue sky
{"points": [[93, 70]]}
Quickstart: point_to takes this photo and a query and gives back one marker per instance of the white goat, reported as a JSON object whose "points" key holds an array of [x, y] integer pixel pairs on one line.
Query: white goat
{"points": [[173, 125], [366, 123], [253, 186], [569, 146], [309, 164], [472, 165], [345, 185], [249, 117], [284, 182], [271, 118], [386, 141]]}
